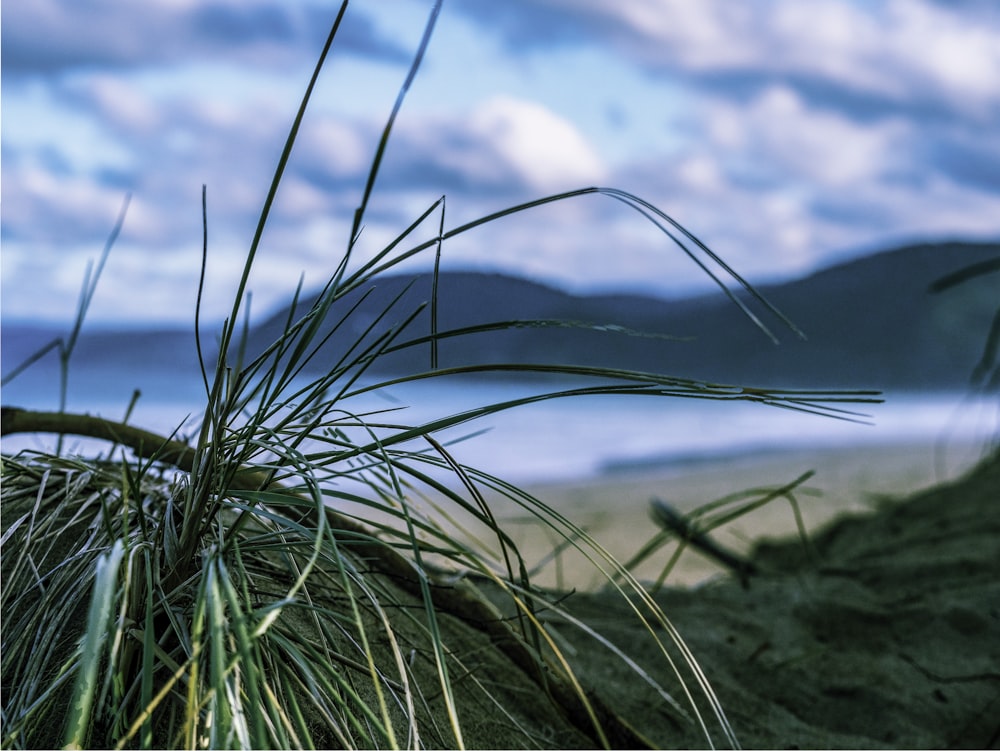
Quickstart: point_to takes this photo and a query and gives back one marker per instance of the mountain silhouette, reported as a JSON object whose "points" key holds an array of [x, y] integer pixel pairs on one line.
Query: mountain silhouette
{"points": [[872, 322]]}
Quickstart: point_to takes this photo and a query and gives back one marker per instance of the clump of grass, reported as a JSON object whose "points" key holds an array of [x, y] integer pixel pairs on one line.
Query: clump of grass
{"points": [[280, 581]]}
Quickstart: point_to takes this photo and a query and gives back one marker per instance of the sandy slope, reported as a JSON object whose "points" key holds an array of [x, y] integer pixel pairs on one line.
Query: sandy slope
{"points": [[890, 638]]}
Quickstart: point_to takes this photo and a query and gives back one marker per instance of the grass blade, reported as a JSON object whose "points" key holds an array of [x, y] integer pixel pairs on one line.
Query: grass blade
{"points": [[79, 715]]}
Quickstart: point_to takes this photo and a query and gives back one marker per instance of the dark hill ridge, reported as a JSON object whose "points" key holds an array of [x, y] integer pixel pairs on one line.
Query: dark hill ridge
{"points": [[870, 322]]}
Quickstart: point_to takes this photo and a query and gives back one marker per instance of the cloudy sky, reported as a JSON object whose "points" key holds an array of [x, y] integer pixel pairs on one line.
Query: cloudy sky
{"points": [[787, 135]]}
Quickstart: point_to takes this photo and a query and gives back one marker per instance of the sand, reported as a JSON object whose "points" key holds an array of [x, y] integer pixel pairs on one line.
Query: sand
{"points": [[890, 639], [886, 636], [614, 507]]}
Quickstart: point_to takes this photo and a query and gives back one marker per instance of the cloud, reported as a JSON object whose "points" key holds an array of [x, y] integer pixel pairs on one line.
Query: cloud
{"points": [[782, 139], [59, 202], [504, 146], [881, 58], [777, 135], [46, 37], [811, 127], [546, 151]]}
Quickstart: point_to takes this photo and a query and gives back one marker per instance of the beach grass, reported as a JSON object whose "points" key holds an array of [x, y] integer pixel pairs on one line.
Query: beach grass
{"points": [[293, 577]]}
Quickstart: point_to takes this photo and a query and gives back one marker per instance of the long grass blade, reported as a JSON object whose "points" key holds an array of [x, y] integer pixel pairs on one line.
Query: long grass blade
{"points": [[276, 179], [79, 716], [390, 121]]}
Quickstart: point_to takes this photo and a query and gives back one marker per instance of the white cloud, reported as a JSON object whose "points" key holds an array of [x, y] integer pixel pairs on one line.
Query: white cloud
{"points": [[336, 146], [118, 102], [791, 131], [958, 57], [702, 34], [908, 52], [548, 152], [55, 208], [792, 141], [700, 173]]}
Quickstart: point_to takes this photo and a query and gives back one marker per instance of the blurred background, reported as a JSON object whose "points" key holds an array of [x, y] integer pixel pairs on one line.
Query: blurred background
{"points": [[790, 137], [787, 136]]}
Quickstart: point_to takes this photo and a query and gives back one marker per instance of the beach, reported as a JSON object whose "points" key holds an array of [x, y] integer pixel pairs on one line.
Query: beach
{"points": [[877, 628], [884, 633], [614, 506]]}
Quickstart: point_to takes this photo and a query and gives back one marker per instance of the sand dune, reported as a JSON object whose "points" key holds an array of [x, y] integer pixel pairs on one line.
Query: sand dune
{"points": [[886, 635]]}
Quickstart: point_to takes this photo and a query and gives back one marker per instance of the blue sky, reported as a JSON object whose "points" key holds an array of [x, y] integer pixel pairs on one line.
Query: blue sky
{"points": [[787, 135]]}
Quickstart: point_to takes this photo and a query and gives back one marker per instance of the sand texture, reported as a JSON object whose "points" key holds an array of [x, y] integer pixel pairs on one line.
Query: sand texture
{"points": [[889, 637], [614, 507]]}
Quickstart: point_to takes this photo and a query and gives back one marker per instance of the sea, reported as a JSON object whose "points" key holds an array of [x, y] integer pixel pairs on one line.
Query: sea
{"points": [[565, 439]]}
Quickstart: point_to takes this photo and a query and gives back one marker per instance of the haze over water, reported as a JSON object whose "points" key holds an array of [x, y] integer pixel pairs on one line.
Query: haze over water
{"points": [[561, 439]]}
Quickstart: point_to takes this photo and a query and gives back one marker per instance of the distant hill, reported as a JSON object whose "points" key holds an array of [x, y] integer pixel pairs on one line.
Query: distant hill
{"points": [[163, 349], [870, 322]]}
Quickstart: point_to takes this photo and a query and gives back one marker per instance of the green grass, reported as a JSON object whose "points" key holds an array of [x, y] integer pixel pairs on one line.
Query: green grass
{"points": [[293, 577]]}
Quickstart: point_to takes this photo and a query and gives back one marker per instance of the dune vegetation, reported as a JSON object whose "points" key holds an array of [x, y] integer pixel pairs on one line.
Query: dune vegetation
{"points": [[302, 574]]}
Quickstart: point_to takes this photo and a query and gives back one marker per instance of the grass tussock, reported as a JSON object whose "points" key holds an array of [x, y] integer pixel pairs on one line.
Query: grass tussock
{"points": [[293, 575]]}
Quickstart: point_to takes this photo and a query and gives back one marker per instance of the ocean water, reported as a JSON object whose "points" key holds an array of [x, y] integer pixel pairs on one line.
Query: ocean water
{"points": [[561, 439]]}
